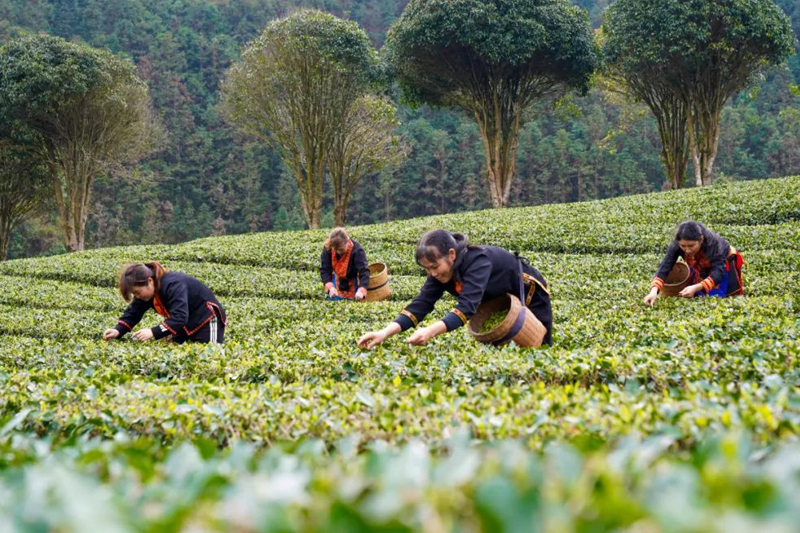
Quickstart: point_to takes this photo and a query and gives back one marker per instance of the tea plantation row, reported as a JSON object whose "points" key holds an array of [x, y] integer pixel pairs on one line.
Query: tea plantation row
{"points": [[684, 417]]}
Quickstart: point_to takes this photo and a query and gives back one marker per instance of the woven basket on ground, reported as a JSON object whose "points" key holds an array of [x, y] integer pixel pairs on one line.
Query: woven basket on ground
{"points": [[520, 325], [378, 288]]}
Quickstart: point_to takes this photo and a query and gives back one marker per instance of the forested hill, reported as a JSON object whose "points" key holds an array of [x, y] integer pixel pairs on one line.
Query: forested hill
{"points": [[208, 180]]}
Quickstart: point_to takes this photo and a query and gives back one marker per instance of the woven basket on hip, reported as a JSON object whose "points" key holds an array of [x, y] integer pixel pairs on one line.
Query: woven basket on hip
{"points": [[520, 324], [378, 288], [678, 279]]}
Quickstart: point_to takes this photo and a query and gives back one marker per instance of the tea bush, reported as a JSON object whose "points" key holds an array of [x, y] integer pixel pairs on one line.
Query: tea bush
{"points": [[681, 417]]}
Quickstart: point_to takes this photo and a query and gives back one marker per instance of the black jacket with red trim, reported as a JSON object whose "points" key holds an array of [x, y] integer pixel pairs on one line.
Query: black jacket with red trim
{"points": [[188, 303], [357, 268], [482, 273], [714, 251]]}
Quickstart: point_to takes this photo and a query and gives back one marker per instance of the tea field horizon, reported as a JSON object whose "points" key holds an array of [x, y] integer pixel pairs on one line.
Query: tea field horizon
{"points": [[681, 417]]}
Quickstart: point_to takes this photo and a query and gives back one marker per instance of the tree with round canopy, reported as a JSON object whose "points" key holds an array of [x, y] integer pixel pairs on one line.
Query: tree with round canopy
{"points": [[88, 110], [695, 55], [295, 87], [493, 59]]}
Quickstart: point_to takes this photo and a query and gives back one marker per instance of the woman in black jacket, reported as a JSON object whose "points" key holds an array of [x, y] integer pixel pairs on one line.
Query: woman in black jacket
{"points": [[473, 274], [343, 267], [715, 265], [190, 309]]}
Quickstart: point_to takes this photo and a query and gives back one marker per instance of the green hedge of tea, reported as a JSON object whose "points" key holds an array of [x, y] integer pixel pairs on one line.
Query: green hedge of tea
{"points": [[684, 417]]}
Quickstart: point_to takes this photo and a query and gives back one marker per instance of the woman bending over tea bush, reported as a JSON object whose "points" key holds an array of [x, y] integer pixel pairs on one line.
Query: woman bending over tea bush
{"points": [[474, 274], [190, 309], [715, 267]]}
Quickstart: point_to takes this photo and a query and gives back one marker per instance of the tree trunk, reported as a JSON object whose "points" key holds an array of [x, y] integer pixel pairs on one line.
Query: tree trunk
{"points": [[314, 203], [710, 149], [310, 211], [339, 180], [316, 221], [442, 172], [341, 194], [675, 165], [670, 115], [500, 142], [698, 175], [319, 177], [386, 188], [6, 222], [5, 237], [310, 198], [66, 212], [340, 213], [73, 191], [704, 131], [697, 166]]}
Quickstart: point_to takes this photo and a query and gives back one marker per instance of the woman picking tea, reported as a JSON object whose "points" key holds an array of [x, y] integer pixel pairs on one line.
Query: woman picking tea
{"points": [[715, 267], [474, 274]]}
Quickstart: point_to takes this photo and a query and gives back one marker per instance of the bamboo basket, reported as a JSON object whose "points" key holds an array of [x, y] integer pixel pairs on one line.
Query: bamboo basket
{"points": [[525, 330], [378, 288], [678, 279]]}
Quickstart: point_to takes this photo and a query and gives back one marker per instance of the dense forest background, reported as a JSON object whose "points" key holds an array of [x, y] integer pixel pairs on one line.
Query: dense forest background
{"points": [[207, 179]]}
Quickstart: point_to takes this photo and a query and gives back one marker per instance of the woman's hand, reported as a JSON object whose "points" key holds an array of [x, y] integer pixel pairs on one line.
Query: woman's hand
{"points": [[143, 334], [423, 335], [420, 337], [330, 289], [690, 291], [110, 334], [651, 297], [372, 339], [361, 293]]}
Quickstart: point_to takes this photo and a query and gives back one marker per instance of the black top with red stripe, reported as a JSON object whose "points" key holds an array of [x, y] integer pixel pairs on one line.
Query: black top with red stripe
{"points": [[484, 273], [186, 304]]}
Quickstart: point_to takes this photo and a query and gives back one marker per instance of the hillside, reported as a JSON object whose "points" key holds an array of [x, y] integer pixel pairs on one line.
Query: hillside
{"points": [[209, 180], [686, 415]]}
